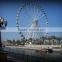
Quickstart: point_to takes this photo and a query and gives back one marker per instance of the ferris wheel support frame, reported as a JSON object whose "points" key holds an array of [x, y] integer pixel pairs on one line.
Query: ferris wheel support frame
{"points": [[17, 20]]}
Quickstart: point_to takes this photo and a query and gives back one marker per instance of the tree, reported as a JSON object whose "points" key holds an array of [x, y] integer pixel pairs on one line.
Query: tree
{"points": [[9, 41], [23, 41], [14, 42], [18, 42]]}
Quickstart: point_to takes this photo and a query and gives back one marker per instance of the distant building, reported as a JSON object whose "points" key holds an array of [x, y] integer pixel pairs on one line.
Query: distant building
{"points": [[5, 43]]}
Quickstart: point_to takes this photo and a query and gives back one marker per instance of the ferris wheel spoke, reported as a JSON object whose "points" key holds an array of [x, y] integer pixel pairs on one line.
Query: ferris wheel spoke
{"points": [[35, 15]]}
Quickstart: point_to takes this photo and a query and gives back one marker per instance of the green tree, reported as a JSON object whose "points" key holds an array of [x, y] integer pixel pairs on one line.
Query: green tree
{"points": [[14, 42], [23, 41], [18, 42], [9, 41]]}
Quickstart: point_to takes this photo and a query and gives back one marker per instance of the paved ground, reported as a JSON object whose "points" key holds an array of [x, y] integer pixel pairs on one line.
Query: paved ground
{"points": [[11, 59]]}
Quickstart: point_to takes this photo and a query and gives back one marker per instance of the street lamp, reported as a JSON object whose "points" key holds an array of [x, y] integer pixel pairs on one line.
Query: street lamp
{"points": [[3, 24]]}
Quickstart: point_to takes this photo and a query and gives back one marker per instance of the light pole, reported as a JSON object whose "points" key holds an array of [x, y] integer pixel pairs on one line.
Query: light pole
{"points": [[3, 24]]}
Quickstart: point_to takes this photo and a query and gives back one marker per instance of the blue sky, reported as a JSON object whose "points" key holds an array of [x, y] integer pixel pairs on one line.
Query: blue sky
{"points": [[8, 10]]}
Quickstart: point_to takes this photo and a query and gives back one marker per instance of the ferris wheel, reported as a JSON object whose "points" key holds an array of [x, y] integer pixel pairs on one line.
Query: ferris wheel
{"points": [[30, 12]]}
